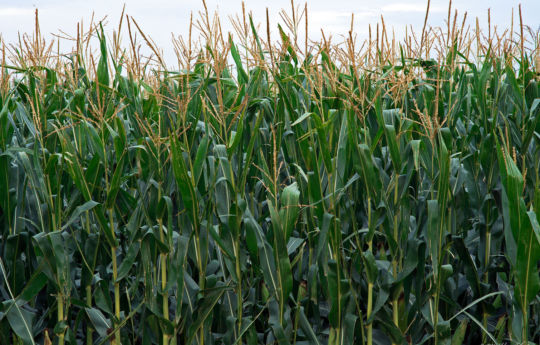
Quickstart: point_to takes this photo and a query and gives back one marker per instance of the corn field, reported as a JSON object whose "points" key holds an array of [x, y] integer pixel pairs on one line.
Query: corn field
{"points": [[271, 189]]}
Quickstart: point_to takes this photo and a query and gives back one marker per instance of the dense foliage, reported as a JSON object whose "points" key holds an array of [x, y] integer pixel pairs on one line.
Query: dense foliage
{"points": [[338, 194]]}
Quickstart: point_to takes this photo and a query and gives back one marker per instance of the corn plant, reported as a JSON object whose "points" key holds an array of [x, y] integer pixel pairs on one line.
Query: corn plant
{"points": [[271, 190]]}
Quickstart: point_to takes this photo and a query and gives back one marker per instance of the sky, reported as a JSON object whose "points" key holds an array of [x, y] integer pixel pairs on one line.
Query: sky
{"points": [[160, 18]]}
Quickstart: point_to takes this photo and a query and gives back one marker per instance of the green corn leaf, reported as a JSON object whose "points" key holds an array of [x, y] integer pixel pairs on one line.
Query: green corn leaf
{"points": [[128, 261], [209, 300], [370, 265], [266, 255], [200, 157], [524, 232], [184, 182], [433, 235], [459, 333], [87, 206], [283, 263], [20, 320], [103, 69], [116, 180], [242, 75], [289, 209], [101, 324]]}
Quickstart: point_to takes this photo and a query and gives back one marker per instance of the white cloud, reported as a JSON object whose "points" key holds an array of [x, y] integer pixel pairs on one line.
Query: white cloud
{"points": [[342, 17], [404, 7], [16, 11], [338, 22]]}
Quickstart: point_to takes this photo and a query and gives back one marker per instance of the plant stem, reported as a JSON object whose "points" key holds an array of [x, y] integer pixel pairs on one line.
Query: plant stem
{"points": [[116, 294], [395, 306], [89, 340], [524, 325], [116, 283], [239, 290], [368, 314], [164, 283], [60, 299], [89, 330], [202, 277], [486, 280], [370, 285], [437, 298]]}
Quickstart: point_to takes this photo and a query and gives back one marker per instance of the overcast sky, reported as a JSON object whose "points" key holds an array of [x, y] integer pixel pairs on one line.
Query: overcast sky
{"points": [[160, 18]]}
